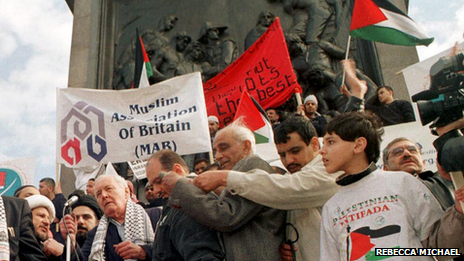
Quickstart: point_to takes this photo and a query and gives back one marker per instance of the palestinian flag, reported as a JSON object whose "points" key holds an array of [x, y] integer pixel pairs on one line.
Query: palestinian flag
{"points": [[360, 241], [143, 70], [381, 21], [255, 118]]}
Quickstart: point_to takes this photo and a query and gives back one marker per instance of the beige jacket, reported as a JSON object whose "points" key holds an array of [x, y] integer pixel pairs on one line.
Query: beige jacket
{"points": [[303, 193]]}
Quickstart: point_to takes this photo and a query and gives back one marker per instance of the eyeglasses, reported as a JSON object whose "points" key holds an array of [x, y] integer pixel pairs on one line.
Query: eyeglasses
{"points": [[400, 150], [159, 179]]}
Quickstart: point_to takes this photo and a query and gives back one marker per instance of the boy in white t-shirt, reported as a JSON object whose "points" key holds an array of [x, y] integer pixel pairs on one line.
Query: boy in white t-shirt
{"points": [[375, 208]]}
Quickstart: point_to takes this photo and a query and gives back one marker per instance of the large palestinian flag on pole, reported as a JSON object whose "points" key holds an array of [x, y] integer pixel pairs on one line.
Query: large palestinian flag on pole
{"points": [[254, 117], [143, 70], [381, 21]]}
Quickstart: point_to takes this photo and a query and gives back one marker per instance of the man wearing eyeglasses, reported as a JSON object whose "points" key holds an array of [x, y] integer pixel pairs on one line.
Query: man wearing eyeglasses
{"points": [[402, 154]]}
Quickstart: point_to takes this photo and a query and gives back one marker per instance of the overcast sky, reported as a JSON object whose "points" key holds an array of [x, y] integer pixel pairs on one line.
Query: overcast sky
{"points": [[35, 42]]}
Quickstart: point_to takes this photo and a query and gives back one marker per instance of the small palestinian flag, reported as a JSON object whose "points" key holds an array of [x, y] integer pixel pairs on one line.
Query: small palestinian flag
{"points": [[255, 118], [361, 241], [381, 21], [143, 70]]}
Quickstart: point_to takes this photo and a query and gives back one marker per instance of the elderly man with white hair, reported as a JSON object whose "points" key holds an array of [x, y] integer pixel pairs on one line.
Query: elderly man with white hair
{"points": [[250, 231], [124, 232]]}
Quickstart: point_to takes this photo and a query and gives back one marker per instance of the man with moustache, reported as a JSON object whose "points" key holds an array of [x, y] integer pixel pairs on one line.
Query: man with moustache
{"points": [[402, 154], [17, 238], [250, 231], [303, 193], [86, 214], [43, 213]]}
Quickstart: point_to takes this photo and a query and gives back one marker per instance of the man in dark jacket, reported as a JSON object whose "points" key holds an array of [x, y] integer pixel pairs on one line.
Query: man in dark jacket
{"points": [[19, 231], [391, 111], [124, 231], [178, 236], [402, 154]]}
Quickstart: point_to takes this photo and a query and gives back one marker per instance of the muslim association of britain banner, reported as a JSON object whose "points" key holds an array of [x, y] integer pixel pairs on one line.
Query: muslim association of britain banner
{"points": [[101, 126]]}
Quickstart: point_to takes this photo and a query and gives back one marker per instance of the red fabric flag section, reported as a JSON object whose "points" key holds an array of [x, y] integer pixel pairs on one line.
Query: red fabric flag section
{"points": [[142, 70], [250, 113], [365, 13], [265, 70], [254, 117], [381, 21], [361, 245]]}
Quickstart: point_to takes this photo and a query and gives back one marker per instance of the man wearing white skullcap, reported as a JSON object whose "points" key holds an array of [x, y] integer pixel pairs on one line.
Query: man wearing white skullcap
{"points": [[213, 124], [310, 111], [43, 214]]}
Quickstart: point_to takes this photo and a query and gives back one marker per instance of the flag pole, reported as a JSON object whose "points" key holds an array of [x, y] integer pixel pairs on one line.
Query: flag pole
{"points": [[299, 101], [298, 98], [57, 172], [346, 57], [211, 157]]}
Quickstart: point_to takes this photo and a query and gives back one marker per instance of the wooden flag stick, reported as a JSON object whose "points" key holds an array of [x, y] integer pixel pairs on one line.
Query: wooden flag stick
{"points": [[346, 57], [57, 172]]}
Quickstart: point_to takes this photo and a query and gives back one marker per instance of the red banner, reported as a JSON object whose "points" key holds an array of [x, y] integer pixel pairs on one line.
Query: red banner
{"points": [[265, 70]]}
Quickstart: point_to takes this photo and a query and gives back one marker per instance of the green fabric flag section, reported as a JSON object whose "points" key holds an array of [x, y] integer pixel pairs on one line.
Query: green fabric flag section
{"points": [[253, 116], [381, 21]]}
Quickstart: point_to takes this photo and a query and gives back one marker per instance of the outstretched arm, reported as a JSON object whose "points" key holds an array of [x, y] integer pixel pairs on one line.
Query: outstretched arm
{"points": [[308, 188], [224, 214]]}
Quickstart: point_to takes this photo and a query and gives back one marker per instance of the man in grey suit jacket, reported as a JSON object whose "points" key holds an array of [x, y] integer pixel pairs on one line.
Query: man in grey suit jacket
{"points": [[250, 231]]}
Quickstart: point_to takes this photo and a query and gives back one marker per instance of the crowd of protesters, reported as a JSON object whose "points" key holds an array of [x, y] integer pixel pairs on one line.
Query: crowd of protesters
{"points": [[332, 202]]}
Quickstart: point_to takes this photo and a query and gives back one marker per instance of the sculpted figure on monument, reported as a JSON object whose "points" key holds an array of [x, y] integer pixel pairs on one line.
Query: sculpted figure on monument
{"points": [[124, 76], [314, 20], [165, 24], [296, 50], [265, 19], [154, 41], [124, 71], [314, 67], [194, 61], [219, 53], [166, 59]]}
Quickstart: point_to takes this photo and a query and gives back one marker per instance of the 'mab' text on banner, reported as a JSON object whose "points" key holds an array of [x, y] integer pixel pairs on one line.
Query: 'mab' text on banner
{"points": [[101, 126]]}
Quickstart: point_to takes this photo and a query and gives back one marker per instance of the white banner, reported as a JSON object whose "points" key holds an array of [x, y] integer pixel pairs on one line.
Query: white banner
{"points": [[417, 76], [99, 126], [418, 134], [16, 173], [138, 168]]}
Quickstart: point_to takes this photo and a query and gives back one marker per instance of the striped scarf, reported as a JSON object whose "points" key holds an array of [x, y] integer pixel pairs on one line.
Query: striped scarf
{"points": [[4, 244], [137, 230]]}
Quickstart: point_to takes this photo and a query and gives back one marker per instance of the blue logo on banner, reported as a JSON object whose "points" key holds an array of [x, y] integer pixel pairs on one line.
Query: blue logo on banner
{"points": [[10, 180]]}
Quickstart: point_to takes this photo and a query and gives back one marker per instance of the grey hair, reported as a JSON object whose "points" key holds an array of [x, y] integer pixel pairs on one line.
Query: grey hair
{"points": [[385, 151], [119, 180], [240, 133]]}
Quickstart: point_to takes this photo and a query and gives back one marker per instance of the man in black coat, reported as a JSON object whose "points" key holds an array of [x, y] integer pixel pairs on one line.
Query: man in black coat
{"points": [[22, 242]]}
